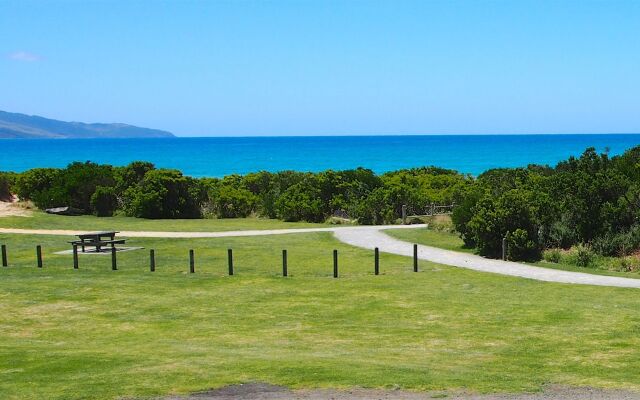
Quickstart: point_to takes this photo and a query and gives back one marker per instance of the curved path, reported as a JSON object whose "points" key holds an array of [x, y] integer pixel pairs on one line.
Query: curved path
{"points": [[369, 237]]}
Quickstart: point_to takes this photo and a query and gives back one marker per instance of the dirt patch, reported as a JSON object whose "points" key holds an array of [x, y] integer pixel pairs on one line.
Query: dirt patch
{"points": [[13, 208], [262, 391]]}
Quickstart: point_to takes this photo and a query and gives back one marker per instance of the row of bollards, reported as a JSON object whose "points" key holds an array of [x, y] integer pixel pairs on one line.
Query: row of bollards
{"points": [[192, 263]]}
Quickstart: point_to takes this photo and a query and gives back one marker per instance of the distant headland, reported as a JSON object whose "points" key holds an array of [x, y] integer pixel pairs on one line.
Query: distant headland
{"points": [[22, 126]]}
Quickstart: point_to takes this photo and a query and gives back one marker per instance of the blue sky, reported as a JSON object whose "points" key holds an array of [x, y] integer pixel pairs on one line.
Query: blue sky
{"points": [[247, 68]]}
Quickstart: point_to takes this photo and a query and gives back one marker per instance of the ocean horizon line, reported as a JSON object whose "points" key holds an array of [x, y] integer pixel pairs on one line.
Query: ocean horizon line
{"points": [[333, 135]]}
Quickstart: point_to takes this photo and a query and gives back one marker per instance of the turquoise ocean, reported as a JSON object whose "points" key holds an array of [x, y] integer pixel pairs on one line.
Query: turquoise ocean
{"points": [[219, 156]]}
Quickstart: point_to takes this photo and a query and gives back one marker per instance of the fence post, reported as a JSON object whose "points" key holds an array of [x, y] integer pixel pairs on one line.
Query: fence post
{"points": [[114, 262], [4, 255], [192, 262], [335, 263], [230, 261], [152, 260], [415, 258], [404, 214], [39, 255], [504, 248], [376, 257], [75, 256], [284, 263]]}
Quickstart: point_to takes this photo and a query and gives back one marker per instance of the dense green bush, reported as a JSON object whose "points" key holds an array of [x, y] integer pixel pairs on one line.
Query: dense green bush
{"points": [[582, 256], [30, 184], [495, 218], [7, 180], [165, 193], [301, 202], [231, 202], [104, 201], [619, 243], [131, 175], [521, 247], [552, 255], [72, 186]]}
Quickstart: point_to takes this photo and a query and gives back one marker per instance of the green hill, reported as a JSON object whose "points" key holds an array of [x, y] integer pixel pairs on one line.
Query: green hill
{"points": [[22, 126]]}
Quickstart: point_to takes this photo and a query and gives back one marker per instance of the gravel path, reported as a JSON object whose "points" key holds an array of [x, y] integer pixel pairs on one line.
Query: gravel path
{"points": [[371, 238]]}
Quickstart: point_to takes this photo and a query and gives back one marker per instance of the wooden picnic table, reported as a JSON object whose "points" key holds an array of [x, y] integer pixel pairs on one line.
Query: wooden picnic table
{"points": [[97, 240]]}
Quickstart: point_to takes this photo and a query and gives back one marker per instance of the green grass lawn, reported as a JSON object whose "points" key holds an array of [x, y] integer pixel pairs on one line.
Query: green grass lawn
{"points": [[41, 220], [97, 333], [451, 241], [440, 239]]}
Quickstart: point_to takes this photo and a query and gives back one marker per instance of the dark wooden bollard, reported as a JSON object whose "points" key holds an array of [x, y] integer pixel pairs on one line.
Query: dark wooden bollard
{"points": [[335, 263], [415, 258], [376, 263], [4, 255], [75, 256], [192, 262], [284, 263], [230, 260], [39, 255], [114, 262], [152, 260]]}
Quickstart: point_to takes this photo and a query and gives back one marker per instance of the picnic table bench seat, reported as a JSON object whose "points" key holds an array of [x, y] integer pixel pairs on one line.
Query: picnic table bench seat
{"points": [[97, 240]]}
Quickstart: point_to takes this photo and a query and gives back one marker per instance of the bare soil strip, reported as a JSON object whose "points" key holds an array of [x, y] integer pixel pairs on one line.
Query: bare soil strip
{"points": [[260, 391]]}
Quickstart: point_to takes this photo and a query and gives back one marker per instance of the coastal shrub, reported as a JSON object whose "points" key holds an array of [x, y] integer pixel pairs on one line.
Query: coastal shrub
{"points": [[104, 201], [301, 202], [520, 247], [374, 209], [231, 202], [561, 235], [465, 200], [552, 255], [582, 256], [165, 193], [31, 183], [6, 183], [131, 175], [628, 264], [496, 218], [72, 186], [618, 244], [75, 185]]}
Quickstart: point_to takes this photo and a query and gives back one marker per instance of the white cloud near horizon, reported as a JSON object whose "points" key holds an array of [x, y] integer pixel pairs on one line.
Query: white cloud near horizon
{"points": [[24, 56]]}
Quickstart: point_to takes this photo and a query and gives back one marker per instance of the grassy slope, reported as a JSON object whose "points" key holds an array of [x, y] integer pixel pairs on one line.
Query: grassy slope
{"points": [[41, 220], [101, 334], [451, 241]]}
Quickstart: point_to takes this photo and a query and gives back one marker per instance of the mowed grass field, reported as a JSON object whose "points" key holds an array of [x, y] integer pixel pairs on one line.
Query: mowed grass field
{"points": [[97, 333], [41, 220]]}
